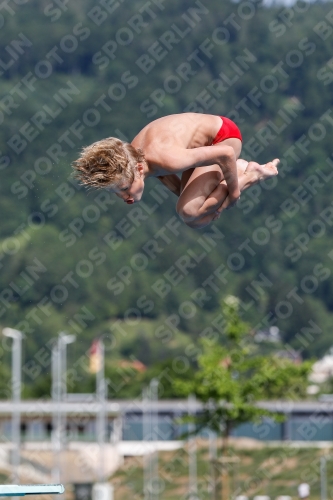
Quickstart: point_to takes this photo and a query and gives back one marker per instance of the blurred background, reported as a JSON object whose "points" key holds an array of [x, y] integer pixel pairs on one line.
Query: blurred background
{"points": [[140, 358]]}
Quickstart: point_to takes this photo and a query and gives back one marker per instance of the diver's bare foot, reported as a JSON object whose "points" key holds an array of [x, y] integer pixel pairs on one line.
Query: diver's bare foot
{"points": [[253, 174], [241, 166], [263, 171]]}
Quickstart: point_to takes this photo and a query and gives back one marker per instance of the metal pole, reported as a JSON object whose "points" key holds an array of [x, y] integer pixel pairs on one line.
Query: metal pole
{"points": [[64, 340], [146, 439], [16, 381], [117, 429], [101, 418], [56, 416], [16, 397], [63, 385], [150, 434], [154, 480], [213, 458], [59, 390], [192, 451], [323, 478]]}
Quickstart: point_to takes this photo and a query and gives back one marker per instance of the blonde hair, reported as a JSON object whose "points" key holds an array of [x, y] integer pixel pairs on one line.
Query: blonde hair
{"points": [[107, 163]]}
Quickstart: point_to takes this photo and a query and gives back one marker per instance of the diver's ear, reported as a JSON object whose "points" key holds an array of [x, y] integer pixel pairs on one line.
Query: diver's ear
{"points": [[139, 168]]}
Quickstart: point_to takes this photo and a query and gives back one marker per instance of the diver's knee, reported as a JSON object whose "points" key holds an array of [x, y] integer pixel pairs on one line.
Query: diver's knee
{"points": [[187, 212]]}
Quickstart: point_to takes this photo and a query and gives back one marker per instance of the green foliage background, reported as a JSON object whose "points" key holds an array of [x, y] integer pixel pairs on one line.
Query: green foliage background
{"points": [[40, 205]]}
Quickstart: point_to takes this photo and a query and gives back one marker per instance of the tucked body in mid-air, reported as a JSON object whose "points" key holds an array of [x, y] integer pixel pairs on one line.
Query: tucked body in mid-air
{"points": [[194, 155]]}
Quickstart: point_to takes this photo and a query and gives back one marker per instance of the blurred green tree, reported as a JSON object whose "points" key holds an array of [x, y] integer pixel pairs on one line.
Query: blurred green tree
{"points": [[232, 378]]}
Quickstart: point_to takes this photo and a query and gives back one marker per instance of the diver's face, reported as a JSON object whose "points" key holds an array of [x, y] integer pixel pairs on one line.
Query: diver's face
{"points": [[131, 192]]}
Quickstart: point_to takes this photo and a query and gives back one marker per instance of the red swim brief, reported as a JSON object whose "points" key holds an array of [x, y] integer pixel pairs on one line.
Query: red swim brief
{"points": [[228, 130]]}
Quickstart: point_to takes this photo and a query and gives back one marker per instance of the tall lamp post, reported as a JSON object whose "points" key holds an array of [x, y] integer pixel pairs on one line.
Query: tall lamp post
{"points": [[16, 397], [150, 434], [192, 452], [59, 391], [101, 393]]}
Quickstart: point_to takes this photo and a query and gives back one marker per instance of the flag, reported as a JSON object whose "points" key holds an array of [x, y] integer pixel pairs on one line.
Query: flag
{"points": [[95, 356]]}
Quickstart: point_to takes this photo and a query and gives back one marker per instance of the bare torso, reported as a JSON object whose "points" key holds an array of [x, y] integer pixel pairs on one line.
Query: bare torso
{"points": [[209, 180], [186, 130]]}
